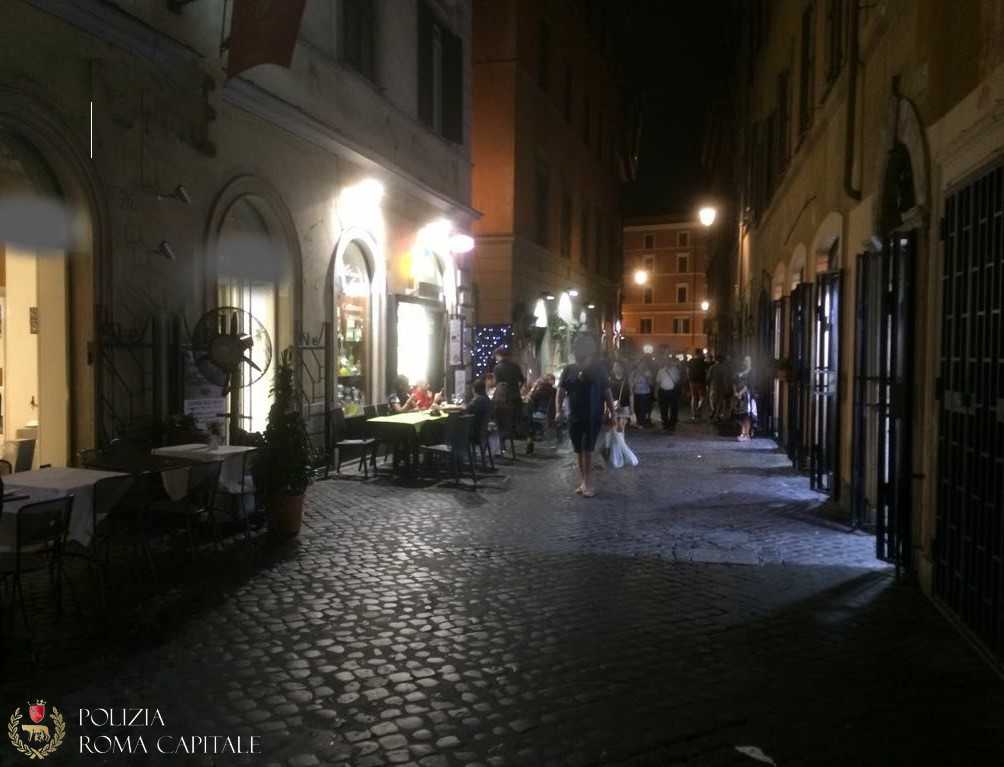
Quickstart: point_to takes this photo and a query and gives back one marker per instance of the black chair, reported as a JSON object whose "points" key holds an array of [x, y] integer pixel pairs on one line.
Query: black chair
{"points": [[110, 493], [41, 539], [89, 457], [383, 408], [341, 441], [481, 442], [25, 456], [5, 468], [459, 434], [198, 505], [370, 411]]}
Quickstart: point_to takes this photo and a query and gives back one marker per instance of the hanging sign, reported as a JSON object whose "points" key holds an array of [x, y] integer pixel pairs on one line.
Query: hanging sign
{"points": [[456, 340]]}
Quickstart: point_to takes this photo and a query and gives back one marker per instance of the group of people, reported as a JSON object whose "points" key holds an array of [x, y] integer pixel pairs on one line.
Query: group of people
{"points": [[713, 382], [596, 392]]}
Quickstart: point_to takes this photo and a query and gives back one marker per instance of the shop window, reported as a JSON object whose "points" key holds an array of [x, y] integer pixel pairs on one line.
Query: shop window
{"points": [[353, 318], [440, 76], [646, 326], [681, 294], [358, 36], [681, 326]]}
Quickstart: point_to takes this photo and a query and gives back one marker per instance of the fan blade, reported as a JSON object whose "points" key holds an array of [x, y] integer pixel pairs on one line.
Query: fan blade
{"points": [[223, 324], [251, 362], [226, 384], [247, 342], [233, 324]]}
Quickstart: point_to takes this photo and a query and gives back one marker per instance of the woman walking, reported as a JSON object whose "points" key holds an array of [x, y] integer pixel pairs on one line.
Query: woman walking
{"points": [[642, 379], [620, 453]]}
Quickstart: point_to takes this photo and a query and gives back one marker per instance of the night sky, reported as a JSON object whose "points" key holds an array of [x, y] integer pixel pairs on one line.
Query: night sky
{"points": [[679, 57]]}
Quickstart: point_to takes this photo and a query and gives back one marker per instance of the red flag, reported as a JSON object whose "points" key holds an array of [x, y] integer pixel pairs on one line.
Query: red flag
{"points": [[263, 32]]}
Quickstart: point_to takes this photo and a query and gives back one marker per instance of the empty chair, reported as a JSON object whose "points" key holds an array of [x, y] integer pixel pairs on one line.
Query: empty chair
{"points": [[245, 501], [341, 441], [383, 408], [370, 411], [108, 495], [458, 444], [39, 544], [198, 503]]}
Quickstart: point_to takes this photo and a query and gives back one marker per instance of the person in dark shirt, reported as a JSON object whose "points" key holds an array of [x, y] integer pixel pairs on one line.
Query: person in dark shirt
{"points": [[400, 399], [508, 376], [542, 408], [480, 407], [697, 370], [587, 388]]}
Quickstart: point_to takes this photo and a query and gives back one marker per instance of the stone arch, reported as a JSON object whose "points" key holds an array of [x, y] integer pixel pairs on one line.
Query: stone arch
{"points": [[269, 205], [778, 285], [827, 241], [797, 273], [903, 180], [89, 281]]}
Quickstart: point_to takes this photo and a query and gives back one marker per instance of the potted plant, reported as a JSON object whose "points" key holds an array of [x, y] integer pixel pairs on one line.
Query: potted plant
{"points": [[287, 454]]}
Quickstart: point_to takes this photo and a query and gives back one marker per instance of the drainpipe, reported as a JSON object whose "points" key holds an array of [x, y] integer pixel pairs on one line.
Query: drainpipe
{"points": [[852, 98]]}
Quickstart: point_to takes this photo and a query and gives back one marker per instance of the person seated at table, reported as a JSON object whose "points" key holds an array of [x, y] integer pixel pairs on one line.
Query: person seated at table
{"points": [[421, 396], [479, 406], [400, 399], [490, 385]]}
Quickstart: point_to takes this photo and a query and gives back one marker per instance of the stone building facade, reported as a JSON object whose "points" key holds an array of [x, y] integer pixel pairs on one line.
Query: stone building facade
{"points": [[665, 285], [868, 271], [322, 198], [550, 155]]}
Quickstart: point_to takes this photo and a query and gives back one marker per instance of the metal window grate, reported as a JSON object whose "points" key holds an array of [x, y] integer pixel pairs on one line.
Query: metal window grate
{"points": [[969, 543]]}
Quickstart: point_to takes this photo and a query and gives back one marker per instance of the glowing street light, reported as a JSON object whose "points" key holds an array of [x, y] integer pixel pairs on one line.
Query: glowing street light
{"points": [[461, 243], [705, 305], [707, 215], [640, 277], [573, 292]]}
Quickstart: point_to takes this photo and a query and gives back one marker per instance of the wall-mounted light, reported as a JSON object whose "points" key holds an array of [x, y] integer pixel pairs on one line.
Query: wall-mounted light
{"points": [[573, 293], [549, 296], [179, 193], [461, 243], [707, 215], [165, 250], [590, 306], [705, 305], [640, 277], [540, 314]]}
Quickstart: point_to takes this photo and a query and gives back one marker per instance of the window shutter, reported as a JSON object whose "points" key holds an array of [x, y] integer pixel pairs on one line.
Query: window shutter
{"points": [[425, 95], [453, 88]]}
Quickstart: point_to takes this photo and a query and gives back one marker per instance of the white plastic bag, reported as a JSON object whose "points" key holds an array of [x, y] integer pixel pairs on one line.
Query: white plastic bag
{"points": [[620, 453]]}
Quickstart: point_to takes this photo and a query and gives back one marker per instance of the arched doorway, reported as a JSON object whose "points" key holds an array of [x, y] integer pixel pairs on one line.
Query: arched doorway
{"points": [[254, 265], [50, 233]]}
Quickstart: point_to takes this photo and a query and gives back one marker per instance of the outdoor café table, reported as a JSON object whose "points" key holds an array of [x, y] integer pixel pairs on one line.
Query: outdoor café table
{"points": [[176, 480], [46, 484], [406, 431]]}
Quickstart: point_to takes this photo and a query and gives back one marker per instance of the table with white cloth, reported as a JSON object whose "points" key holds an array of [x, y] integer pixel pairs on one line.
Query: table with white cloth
{"points": [[46, 484], [231, 471]]}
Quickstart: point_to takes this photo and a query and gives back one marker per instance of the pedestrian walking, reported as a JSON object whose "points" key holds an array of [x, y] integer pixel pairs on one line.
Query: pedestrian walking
{"points": [[668, 381], [698, 374], [618, 452], [745, 400], [642, 381], [587, 389]]}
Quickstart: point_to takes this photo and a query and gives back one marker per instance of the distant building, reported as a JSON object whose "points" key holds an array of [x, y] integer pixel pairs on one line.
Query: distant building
{"points": [[550, 153], [665, 284], [867, 272]]}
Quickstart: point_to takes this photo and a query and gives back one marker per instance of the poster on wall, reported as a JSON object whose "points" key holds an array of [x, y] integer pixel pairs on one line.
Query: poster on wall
{"points": [[208, 412], [456, 341], [460, 382], [468, 343]]}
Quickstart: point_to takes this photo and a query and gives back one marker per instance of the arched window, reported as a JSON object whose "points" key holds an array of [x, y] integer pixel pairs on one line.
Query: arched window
{"points": [[249, 279], [353, 319]]}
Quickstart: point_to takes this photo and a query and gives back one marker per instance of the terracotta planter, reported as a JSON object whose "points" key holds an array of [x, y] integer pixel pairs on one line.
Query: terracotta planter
{"points": [[285, 514]]}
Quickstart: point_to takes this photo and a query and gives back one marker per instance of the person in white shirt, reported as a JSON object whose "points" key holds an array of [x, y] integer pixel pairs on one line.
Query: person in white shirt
{"points": [[667, 382]]}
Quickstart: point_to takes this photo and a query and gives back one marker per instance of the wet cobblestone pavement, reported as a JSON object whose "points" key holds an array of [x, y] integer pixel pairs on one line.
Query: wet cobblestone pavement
{"points": [[697, 606]]}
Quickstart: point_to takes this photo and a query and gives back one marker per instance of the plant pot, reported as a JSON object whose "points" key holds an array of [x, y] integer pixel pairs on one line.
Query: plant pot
{"points": [[285, 514]]}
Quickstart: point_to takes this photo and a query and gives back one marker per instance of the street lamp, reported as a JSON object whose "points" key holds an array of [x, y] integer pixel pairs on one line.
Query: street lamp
{"points": [[705, 305], [640, 277], [707, 215]]}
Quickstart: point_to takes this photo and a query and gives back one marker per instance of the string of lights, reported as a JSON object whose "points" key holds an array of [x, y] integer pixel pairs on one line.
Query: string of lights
{"points": [[487, 339]]}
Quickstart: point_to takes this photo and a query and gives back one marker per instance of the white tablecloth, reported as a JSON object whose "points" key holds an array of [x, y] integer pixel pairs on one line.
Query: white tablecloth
{"points": [[176, 480], [45, 484]]}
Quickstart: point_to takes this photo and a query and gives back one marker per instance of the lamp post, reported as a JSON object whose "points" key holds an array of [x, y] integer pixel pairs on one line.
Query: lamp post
{"points": [[707, 215]]}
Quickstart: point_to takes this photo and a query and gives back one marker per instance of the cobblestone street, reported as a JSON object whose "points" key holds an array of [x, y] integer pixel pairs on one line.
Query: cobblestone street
{"points": [[699, 605]]}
